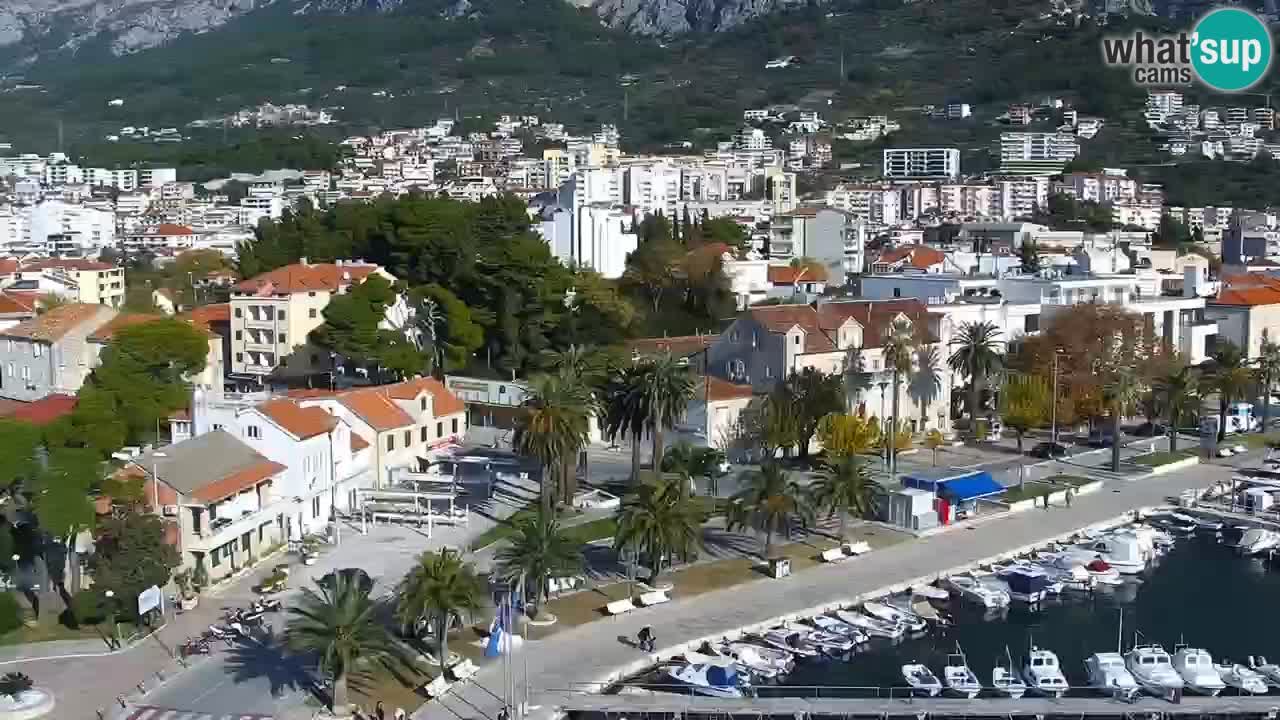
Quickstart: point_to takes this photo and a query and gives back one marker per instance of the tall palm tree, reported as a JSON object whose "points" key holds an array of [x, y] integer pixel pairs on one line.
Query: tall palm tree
{"points": [[658, 522], [626, 411], [899, 342], [845, 487], [768, 503], [339, 624], [553, 428], [925, 382], [538, 551], [977, 356], [689, 461], [1228, 376], [668, 386], [438, 587], [1179, 393], [1123, 392], [1267, 367]]}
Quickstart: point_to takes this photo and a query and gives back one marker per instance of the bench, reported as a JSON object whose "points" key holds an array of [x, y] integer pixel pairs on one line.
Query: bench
{"points": [[437, 687], [858, 548], [657, 597], [618, 607], [835, 554], [464, 670]]}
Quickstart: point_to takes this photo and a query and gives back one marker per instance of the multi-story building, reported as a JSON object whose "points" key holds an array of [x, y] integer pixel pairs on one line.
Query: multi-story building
{"points": [[1025, 153], [878, 205], [57, 227], [273, 314], [73, 279], [1018, 197], [1108, 187], [834, 238], [921, 163], [50, 353]]}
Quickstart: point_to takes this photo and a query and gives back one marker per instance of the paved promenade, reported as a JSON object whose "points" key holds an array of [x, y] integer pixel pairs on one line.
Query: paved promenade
{"points": [[594, 653]]}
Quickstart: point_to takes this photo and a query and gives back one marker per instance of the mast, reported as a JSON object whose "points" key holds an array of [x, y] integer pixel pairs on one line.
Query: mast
{"points": [[1120, 633]]}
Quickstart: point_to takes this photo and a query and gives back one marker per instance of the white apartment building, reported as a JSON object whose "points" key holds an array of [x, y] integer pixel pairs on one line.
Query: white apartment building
{"points": [[74, 279], [921, 163], [751, 138], [53, 227], [1104, 187], [878, 205], [834, 238], [1027, 153], [653, 188], [1019, 196]]}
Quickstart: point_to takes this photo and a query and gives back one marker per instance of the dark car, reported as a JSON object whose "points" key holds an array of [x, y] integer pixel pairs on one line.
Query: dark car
{"points": [[1048, 450], [1151, 430]]}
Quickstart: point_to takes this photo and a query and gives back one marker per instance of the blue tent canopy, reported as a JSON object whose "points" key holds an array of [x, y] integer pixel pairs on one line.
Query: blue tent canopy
{"points": [[955, 486]]}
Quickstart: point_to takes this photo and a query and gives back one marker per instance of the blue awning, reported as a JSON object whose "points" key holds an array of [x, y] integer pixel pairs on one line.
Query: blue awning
{"points": [[969, 487]]}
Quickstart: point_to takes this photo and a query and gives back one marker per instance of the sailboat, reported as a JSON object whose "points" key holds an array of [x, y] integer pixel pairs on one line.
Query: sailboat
{"points": [[1107, 671], [958, 677], [1005, 680]]}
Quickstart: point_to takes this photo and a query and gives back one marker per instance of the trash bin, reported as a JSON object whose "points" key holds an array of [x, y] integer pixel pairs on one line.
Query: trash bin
{"points": [[780, 567]]}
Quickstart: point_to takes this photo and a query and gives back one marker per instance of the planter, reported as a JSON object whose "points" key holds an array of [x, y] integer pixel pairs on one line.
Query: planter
{"points": [[189, 603], [1175, 466]]}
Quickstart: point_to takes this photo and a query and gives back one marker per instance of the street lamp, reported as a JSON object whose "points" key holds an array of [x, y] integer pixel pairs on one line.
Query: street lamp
{"points": [[887, 436], [155, 480], [111, 613], [1053, 404]]}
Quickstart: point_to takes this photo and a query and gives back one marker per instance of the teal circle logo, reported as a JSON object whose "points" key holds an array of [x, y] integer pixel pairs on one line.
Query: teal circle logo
{"points": [[1231, 49]]}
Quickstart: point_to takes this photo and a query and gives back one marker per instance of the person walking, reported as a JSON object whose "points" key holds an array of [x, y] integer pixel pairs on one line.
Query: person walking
{"points": [[644, 638], [379, 712], [1068, 497]]}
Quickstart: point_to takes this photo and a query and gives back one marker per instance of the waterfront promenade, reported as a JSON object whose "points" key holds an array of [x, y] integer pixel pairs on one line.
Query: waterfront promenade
{"points": [[594, 654]]}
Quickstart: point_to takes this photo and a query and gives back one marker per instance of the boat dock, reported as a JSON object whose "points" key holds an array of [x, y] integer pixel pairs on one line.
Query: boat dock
{"points": [[659, 703]]}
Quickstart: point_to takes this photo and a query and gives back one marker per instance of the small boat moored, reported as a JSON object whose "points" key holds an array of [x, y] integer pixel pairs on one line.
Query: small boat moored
{"points": [[1108, 674], [1043, 673], [921, 679], [714, 680], [1197, 670], [959, 678], [1153, 669], [1005, 680], [1242, 678]]}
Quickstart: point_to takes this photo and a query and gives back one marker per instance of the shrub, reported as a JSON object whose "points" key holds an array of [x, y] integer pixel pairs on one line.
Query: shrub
{"points": [[10, 613], [88, 608]]}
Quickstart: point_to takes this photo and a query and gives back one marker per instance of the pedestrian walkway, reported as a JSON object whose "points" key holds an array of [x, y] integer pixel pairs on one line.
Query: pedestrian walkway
{"points": [[147, 712], [595, 653]]}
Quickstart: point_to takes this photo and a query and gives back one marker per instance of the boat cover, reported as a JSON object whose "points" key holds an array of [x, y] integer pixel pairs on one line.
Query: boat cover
{"points": [[1026, 583], [720, 676], [1098, 565], [956, 486]]}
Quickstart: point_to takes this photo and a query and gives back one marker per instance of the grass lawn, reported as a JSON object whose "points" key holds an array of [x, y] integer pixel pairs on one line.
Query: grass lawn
{"points": [[394, 689], [1261, 440], [592, 531], [1164, 458], [1028, 491], [49, 629]]}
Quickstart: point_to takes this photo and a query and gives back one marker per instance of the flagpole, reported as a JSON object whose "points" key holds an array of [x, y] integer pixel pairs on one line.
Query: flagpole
{"points": [[524, 649]]}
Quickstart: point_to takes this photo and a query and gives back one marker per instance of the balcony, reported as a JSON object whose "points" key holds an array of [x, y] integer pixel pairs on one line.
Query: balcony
{"points": [[214, 534]]}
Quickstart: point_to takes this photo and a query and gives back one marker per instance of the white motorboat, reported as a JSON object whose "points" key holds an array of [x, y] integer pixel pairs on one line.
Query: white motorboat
{"points": [[1043, 673], [929, 592], [1195, 665], [832, 625], [1153, 669], [1073, 577], [889, 613], [792, 640], [1174, 522], [970, 589], [829, 642], [1242, 678], [1258, 541], [1159, 539], [1028, 584], [714, 680], [1107, 673], [1122, 550], [959, 678], [921, 679], [1005, 680], [873, 627], [1269, 671], [764, 661], [923, 609]]}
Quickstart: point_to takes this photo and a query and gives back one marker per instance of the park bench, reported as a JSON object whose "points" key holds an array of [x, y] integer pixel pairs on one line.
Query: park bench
{"points": [[857, 548], [656, 597], [835, 554], [437, 687], [618, 607]]}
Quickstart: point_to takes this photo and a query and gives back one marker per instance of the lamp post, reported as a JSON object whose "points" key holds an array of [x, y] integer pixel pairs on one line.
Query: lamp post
{"points": [[1053, 405], [111, 614], [885, 436]]}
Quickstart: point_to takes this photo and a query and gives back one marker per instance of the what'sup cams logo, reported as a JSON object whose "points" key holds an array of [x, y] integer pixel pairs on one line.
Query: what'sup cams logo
{"points": [[1228, 49]]}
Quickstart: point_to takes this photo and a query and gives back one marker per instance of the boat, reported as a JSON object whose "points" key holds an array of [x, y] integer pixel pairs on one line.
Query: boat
{"points": [[959, 678], [1043, 674], [1269, 671], [1242, 678], [873, 627], [970, 589], [830, 642], [1072, 577], [1258, 541], [889, 613], [792, 640], [1173, 522], [929, 592], [923, 609], [1005, 680], [764, 661], [714, 680], [921, 679], [1121, 550], [1159, 539], [1153, 669], [1027, 585], [1195, 665], [1107, 673], [832, 625]]}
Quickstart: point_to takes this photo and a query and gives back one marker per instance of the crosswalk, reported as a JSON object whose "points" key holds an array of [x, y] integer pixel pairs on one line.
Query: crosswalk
{"points": [[149, 712]]}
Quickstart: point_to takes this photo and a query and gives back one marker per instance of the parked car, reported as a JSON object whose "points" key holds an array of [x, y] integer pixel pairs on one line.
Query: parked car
{"points": [[1048, 450], [1102, 435], [1150, 430]]}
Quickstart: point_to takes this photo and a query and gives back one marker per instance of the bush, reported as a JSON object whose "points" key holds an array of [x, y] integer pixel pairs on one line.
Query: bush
{"points": [[87, 607], [10, 613]]}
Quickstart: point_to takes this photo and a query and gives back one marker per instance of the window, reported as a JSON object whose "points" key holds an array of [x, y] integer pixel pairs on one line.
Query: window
{"points": [[253, 431], [280, 338], [455, 426], [439, 429], [424, 433], [37, 350], [315, 506], [408, 438], [239, 356], [26, 373], [768, 371], [239, 334], [423, 402], [1031, 323], [214, 559], [312, 294], [897, 292], [280, 315], [10, 369], [311, 312], [217, 426], [795, 340], [755, 339], [238, 312], [391, 442]]}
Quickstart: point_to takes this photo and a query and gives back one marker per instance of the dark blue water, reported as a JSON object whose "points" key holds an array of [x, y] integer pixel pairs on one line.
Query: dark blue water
{"points": [[1201, 593]]}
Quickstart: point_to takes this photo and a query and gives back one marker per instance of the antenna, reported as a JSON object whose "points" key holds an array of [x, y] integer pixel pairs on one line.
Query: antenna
{"points": [[1120, 632]]}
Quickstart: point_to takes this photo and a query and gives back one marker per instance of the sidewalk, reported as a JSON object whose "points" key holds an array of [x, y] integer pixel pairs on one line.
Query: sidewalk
{"points": [[593, 652]]}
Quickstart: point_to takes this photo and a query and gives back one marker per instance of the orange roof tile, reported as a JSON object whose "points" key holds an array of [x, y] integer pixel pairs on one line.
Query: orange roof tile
{"points": [[375, 407], [306, 393], [67, 264], [171, 229], [56, 323], [16, 304], [206, 315], [301, 422], [679, 346], [787, 275], [45, 410], [820, 324], [1249, 296], [123, 320], [717, 389], [302, 278], [8, 265], [237, 482], [443, 402], [918, 257], [358, 443]]}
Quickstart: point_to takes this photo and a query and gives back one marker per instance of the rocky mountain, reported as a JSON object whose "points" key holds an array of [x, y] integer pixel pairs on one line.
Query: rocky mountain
{"points": [[668, 17]]}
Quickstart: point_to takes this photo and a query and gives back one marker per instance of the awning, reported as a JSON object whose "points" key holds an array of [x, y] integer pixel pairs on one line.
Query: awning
{"points": [[969, 487]]}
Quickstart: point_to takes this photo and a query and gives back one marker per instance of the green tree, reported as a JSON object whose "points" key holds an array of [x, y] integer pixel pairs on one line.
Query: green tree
{"points": [[899, 344], [769, 502], [626, 410], [1228, 377], [689, 461], [658, 522], [1029, 254], [935, 441], [652, 268], [1179, 392], [339, 624], [668, 387], [1267, 368], [845, 488], [438, 587], [450, 334], [1025, 404], [925, 381], [538, 551], [976, 356], [849, 435], [812, 395], [351, 321], [1123, 392], [130, 555], [552, 428]]}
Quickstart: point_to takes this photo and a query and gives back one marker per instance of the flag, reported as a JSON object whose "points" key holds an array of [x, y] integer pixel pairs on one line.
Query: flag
{"points": [[497, 629]]}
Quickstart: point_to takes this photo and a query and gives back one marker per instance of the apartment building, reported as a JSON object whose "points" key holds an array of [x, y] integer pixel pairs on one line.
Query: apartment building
{"points": [[1099, 187], [75, 280], [878, 205], [273, 314], [834, 238], [921, 163], [54, 226], [50, 353], [1027, 153]]}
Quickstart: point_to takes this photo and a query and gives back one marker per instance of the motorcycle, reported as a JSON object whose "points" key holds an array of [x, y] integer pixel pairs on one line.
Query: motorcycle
{"points": [[195, 646]]}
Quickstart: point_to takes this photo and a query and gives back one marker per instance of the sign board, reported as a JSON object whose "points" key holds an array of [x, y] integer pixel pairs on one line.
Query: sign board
{"points": [[150, 599]]}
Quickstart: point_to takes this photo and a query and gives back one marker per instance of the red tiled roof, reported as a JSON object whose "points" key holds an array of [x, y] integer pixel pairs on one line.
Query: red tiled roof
{"points": [[301, 422], [45, 410], [237, 482], [171, 229], [302, 278], [787, 275], [17, 303], [679, 346], [206, 315], [56, 323], [443, 402], [717, 389], [1248, 289], [358, 443], [374, 406], [916, 256], [119, 322], [820, 324], [306, 393], [8, 265], [67, 264]]}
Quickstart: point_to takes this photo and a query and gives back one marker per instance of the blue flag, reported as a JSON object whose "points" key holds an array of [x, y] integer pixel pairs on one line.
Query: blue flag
{"points": [[497, 629]]}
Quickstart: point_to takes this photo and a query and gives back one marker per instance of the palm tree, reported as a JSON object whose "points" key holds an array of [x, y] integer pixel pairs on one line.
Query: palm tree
{"points": [[538, 551], [668, 387], [1267, 367], [690, 461], [977, 357], [658, 522], [1179, 393], [899, 342], [436, 589], [925, 382], [626, 411], [340, 625], [1228, 376], [554, 428], [845, 487], [768, 503], [1122, 393], [856, 378]]}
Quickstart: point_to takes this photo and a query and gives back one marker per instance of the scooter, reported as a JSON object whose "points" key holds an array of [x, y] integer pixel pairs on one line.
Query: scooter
{"points": [[195, 646], [266, 606]]}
